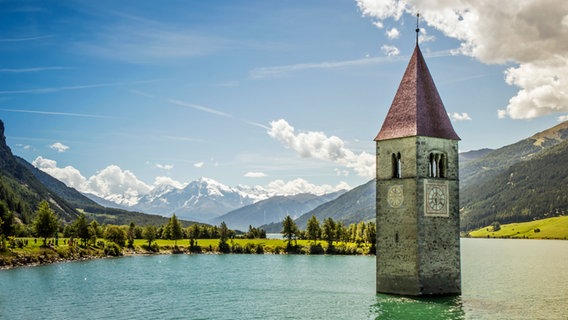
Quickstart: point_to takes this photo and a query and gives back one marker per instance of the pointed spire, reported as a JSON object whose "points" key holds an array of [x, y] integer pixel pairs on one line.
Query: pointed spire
{"points": [[417, 26], [417, 109]]}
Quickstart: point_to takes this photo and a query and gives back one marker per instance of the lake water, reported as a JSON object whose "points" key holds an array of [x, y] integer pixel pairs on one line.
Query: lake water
{"points": [[501, 279]]}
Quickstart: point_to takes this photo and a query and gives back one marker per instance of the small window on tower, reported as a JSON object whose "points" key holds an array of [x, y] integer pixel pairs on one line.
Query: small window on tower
{"points": [[396, 166]]}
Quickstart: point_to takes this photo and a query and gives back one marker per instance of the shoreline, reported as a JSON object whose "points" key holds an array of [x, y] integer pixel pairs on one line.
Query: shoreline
{"points": [[15, 260], [10, 259]]}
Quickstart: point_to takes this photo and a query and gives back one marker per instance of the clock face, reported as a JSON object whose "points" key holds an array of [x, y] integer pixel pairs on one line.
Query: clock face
{"points": [[395, 196], [436, 199]]}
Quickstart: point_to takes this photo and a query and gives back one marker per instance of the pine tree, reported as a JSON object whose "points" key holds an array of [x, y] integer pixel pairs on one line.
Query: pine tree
{"points": [[224, 236], [289, 231], [313, 229], [174, 228]]}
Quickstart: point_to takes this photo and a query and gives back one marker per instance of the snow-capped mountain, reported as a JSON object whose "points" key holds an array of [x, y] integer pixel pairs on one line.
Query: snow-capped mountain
{"points": [[201, 200]]}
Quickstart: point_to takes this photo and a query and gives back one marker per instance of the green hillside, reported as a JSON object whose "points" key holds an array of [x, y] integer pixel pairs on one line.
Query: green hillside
{"points": [[551, 228], [21, 191], [528, 190], [351, 207], [517, 183]]}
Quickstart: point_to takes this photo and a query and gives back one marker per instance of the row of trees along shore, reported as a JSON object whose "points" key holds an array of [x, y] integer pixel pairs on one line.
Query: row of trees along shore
{"points": [[330, 236]]}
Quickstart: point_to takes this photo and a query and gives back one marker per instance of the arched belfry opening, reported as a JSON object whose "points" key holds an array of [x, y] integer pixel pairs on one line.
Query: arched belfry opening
{"points": [[437, 165], [396, 165], [418, 242]]}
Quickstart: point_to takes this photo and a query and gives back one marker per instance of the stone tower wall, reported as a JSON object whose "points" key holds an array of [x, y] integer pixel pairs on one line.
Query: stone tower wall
{"points": [[416, 254]]}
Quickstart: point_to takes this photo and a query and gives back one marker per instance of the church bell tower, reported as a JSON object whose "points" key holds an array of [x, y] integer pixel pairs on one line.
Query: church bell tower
{"points": [[418, 239]]}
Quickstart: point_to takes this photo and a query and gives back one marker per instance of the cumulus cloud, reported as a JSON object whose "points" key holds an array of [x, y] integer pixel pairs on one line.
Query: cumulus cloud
{"points": [[563, 118], [111, 183], [255, 174], [317, 145], [456, 116], [390, 50], [68, 175], [392, 33], [299, 185], [59, 147], [529, 34], [117, 185]]}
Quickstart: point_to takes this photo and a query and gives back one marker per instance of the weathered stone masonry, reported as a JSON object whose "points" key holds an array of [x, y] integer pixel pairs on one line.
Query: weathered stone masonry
{"points": [[418, 249]]}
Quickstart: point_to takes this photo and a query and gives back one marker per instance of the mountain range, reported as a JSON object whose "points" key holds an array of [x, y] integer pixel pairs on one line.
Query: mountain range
{"points": [[274, 210], [520, 182]]}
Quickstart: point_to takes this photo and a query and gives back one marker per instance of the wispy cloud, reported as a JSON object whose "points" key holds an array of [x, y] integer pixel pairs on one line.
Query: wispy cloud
{"points": [[266, 72], [177, 138], [164, 166], [199, 164], [139, 40], [255, 174], [66, 88], [54, 113], [198, 107], [26, 70], [22, 39]]}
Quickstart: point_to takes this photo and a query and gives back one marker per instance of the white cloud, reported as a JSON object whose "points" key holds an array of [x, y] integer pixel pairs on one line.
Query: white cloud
{"points": [[164, 166], [563, 118], [423, 36], [60, 147], [341, 172], [390, 50], [161, 180], [199, 164], [531, 34], [319, 146], [68, 175], [392, 33], [25, 147], [456, 116], [298, 186], [255, 174], [111, 183], [115, 184]]}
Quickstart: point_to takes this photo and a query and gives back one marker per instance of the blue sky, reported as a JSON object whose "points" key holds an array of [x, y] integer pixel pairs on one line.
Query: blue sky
{"points": [[118, 96]]}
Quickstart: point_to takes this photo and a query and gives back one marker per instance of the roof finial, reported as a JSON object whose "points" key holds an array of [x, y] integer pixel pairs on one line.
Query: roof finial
{"points": [[417, 27]]}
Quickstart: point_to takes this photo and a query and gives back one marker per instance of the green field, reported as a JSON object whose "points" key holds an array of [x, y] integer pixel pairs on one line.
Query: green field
{"points": [[31, 252], [551, 228]]}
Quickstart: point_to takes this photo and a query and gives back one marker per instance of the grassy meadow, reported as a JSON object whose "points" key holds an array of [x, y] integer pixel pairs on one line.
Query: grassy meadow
{"points": [[29, 251], [551, 228]]}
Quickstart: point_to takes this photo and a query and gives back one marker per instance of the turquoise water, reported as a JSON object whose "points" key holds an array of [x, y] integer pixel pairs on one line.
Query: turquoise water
{"points": [[502, 279]]}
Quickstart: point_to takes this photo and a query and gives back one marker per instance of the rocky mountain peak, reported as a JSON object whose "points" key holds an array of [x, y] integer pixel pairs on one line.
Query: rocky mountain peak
{"points": [[556, 134]]}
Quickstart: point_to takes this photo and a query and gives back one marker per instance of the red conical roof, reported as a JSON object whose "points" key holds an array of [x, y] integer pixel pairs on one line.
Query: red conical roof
{"points": [[417, 109]]}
